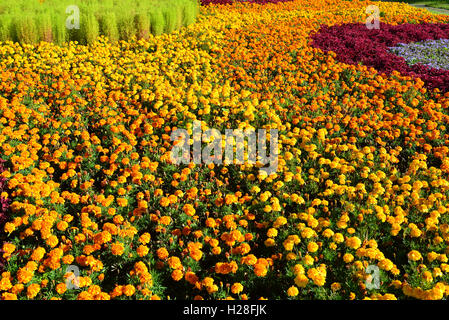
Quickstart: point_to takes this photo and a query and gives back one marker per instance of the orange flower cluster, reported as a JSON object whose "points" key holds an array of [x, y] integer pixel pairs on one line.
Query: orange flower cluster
{"points": [[361, 182]]}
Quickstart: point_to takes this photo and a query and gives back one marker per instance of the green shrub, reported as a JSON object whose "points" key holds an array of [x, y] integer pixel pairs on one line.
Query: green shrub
{"points": [[59, 30], [31, 21], [5, 27], [142, 22], [108, 25], [44, 27], [126, 26], [157, 22], [24, 30], [89, 29]]}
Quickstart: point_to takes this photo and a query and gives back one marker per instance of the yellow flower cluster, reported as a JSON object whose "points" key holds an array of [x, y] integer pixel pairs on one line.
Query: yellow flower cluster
{"points": [[85, 132]]}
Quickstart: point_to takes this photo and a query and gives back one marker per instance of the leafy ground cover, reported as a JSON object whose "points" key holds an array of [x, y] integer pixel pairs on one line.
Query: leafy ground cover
{"points": [[362, 176]]}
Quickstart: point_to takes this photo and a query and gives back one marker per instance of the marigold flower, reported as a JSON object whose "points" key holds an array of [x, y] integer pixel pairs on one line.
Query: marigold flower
{"points": [[32, 290], [236, 288], [414, 255], [292, 291], [129, 290], [177, 275], [174, 263], [117, 248], [162, 253]]}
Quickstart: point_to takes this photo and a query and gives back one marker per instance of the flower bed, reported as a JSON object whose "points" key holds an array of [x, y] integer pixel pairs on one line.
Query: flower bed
{"points": [[355, 43], [4, 206], [361, 183]]}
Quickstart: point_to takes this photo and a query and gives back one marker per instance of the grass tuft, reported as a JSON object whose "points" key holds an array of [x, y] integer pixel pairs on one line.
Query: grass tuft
{"points": [[33, 21]]}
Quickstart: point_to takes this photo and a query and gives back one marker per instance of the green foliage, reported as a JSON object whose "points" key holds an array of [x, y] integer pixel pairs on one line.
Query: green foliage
{"points": [[44, 27], [31, 21], [126, 26], [142, 22], [25, 29], [108, 25], [5, 27], [157, 22]]}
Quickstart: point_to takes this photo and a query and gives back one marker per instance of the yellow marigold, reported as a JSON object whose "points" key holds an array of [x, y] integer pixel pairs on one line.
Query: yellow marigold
{"points": [[292, 291], [189, 209], [9, 296], [280, 221], [8, 248], [347, 257], [307, 233], [145, 238], [18, 288], [236, 288], [142, 250], [174, 263], [249, 260], [177, 275], [68, 259], [298, 269], [9, 227], [5, 284], [353, 242], [129, 290], [61, 288], [427, 276], [414, 255], [308, 260], [52, 241], [62, 225], [24, 275], [385, 264], [211, 223], [122, 202], [260, 270], [213, 288], [196, 254], [335, 286], [165, 220], [328, 233], [38, 254], [312, 247], [272, 232], [32, 290], [208, 281], [270, 242], [338, 238], [301, 280]]}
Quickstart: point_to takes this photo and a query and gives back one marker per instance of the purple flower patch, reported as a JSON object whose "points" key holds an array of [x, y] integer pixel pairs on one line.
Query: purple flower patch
{"points": [[431, 53], [354, 43]]}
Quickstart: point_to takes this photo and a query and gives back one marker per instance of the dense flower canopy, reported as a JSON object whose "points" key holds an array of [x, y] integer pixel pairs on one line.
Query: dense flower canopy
{"points": [[362, 180], [431, 53], [355, 43]]}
